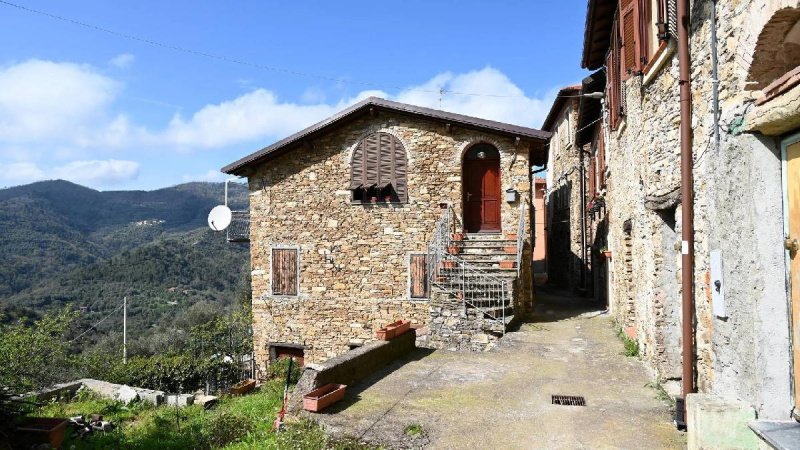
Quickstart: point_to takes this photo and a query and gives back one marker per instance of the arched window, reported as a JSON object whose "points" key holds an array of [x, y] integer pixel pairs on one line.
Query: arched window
{"points": [[378, 170]]}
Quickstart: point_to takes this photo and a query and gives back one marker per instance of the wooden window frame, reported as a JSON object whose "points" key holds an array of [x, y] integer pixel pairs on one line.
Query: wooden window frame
{"points": [[409, 281], [296, 248]]}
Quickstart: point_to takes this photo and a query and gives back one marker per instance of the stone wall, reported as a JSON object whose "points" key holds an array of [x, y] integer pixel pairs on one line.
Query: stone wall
{"points": [[354, 258], [565, 257], [738, 211]]}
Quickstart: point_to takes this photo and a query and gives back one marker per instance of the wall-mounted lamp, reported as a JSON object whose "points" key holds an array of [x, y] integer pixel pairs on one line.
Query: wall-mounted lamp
{"points": [[511, 195]]}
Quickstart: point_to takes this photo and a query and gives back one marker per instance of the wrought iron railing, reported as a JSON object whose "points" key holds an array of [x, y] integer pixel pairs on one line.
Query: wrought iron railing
{"points": [[239, 229], [520, 236], [449, 273]]}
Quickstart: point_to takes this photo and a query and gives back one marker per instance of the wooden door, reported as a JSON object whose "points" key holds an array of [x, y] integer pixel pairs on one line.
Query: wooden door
{"points": [[793, 246], [482, 189]]}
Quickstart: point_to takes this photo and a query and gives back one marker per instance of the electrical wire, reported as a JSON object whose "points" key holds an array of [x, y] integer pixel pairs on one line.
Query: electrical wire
{"points": [[242, 62], [95, 324]]}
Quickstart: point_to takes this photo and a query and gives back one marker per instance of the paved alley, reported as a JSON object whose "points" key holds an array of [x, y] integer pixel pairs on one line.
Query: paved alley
{"points": [[501, 399]]}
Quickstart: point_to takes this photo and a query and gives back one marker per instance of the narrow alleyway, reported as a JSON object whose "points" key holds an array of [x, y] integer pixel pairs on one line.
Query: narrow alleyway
{"points": [[502, 398]]}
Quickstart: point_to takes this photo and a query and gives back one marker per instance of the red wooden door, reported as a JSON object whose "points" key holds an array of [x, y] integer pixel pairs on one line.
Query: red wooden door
{"points": [[482, 189]]}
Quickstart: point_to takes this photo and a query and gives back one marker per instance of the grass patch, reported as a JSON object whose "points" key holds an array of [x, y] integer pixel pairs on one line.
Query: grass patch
{"points": [[631, 346], [236, 423], [661, 393], [414, 430]]}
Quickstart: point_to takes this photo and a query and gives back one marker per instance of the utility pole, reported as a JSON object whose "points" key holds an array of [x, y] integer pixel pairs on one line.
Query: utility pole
{"points": [[125, 330]]}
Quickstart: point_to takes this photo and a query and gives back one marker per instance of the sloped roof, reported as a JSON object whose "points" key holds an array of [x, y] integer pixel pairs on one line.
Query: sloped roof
{"points": [[374, 104], [564, 94], [597, 32], [590, 109]]}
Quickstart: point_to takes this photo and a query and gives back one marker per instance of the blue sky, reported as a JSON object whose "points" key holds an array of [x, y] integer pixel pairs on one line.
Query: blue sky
{"points": [[116, 113]]}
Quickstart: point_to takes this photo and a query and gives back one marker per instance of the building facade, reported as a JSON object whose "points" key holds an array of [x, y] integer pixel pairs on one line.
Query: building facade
{"points": [[745, 121], [346, 215]]}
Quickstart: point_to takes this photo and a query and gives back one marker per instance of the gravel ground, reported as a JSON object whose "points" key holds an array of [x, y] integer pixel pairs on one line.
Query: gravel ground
{"points": [[501, 399]]}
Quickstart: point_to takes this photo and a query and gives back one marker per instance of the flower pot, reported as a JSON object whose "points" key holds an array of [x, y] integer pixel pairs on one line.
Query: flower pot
{"points": [[511, 236], [373, 199], [448, 264], [606, 254], [458, 236], [454, 249], [387, 199], [441, 278], [319, 399], [507, 264], [41, 430], [243, 387], [511, 249], [382, 334], [399, 327]]}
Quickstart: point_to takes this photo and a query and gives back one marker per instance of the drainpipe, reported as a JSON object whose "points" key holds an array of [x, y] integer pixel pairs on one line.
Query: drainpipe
{"points": [[714, 74], [687, 202]]}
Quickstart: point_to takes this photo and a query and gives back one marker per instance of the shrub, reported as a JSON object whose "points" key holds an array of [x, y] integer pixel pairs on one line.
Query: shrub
{"points": [[173, 373], [277, 370]]}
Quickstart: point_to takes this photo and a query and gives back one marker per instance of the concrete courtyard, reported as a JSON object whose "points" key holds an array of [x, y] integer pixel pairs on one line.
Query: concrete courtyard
{"points": [[501, 399]]}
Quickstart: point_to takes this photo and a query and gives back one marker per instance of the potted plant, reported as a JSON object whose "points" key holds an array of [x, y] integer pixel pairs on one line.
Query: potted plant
{"points": [[243, 387], [458, 236], [441, 278], [448, 264], [511, 249], [319, 399], [42, 430], [453, 248], [373, 199], [506, 264], [511, 236]]}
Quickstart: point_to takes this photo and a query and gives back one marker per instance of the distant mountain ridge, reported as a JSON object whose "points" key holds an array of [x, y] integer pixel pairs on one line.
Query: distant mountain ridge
{"points": [[54, 228]]}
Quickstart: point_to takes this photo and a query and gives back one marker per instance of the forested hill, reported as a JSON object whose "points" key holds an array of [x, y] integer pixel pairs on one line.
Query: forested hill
{"points": [[53, 228]]}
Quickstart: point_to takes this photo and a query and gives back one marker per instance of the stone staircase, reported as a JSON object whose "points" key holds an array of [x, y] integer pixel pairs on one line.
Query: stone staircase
{"points": [[480, 279]]}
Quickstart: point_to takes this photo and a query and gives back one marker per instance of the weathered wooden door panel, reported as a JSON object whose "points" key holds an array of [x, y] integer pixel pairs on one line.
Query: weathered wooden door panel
{"points": [[793, 247], [418, 266], [481, 175]]}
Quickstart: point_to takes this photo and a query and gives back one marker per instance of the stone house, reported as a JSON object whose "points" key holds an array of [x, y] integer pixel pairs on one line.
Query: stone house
{"points": [[388, 211], [565, 184], [745, 128]]}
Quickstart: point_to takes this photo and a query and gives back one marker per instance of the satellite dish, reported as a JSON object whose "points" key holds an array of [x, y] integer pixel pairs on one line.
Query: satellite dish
{"points": [[219, 218]]}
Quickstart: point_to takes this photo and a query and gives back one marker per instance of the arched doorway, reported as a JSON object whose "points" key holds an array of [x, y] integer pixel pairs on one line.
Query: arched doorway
{"points": [[481, 189]]}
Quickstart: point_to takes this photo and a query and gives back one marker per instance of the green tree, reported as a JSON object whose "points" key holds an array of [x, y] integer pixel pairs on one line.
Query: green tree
{"points": [[33, 357]]}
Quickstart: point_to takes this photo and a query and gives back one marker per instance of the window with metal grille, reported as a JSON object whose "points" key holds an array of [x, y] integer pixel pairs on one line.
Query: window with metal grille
{"points": [[285, 271], [418, 276], [378, 170]]}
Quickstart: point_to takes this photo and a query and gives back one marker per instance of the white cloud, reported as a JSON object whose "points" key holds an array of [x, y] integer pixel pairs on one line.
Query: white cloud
{"points": [[20, 172], [211, 175], [259, 114], [94, 172], [122, 61], [44, 101]]}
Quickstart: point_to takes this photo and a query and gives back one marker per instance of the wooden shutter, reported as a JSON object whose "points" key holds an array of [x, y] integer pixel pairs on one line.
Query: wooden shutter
{"points": [[284, 271], [613, 78], [592, 176], [380, 160], [601, 159], [630, 27], [418, 274]]}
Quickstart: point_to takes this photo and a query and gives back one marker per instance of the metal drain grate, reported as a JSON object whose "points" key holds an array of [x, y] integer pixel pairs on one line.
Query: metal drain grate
{"points": [[569, 400]]}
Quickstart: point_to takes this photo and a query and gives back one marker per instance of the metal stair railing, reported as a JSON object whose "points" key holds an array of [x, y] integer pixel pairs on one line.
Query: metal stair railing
{"points": [[452, 274], [520, 237], [239, 229]]}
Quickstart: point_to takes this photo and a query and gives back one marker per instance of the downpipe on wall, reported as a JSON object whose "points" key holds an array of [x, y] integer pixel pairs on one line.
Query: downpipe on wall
{"points": [[687, 212]]}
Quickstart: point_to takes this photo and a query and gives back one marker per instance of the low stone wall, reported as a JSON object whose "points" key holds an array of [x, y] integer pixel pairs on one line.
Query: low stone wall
{"points": [[99, 387], [352, 366]]}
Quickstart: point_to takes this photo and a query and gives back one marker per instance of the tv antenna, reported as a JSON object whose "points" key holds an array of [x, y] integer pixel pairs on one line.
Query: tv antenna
{"points": [[220, 216]]}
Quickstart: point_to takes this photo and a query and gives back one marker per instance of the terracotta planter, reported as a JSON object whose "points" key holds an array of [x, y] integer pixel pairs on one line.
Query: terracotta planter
{"points": [[511, 249], [319, 399], [458, 236], [606, 254], [507, 264], [42, 430], [399, 327], [243, 387], [511, 236], [373, 199], [454, 249], [441, 278], [448, 264]]}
